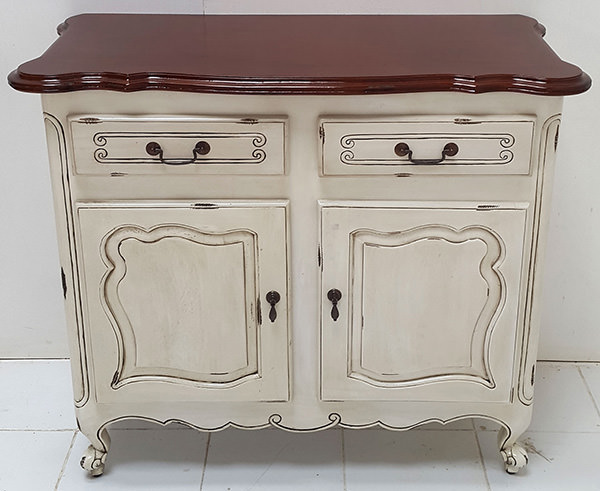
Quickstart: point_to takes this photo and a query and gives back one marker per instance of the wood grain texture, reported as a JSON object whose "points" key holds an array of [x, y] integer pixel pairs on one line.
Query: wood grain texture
{"points": [[304, 54]]}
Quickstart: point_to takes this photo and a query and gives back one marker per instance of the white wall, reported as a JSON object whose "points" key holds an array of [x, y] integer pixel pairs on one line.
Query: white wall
{"points": [[31, 315]]}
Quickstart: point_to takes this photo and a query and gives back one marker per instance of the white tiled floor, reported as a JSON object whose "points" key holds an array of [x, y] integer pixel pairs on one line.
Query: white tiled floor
{"points": [[40, 447]]}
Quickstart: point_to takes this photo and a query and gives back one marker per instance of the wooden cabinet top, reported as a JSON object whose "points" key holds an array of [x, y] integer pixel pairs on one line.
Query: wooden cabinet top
{"points": [[304, 54]]}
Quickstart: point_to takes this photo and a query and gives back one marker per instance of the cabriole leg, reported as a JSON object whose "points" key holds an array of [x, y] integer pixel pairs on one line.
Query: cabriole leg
{"points": [[514, 455], [94, 457]]}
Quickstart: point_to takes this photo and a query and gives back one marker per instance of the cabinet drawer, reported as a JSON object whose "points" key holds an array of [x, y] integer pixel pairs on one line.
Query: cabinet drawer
{"points": [[417, 146], [103, 145]]}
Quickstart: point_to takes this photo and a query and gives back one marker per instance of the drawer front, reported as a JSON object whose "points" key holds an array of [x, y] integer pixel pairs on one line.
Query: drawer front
{"points": [[451, 146], [109, 145]]}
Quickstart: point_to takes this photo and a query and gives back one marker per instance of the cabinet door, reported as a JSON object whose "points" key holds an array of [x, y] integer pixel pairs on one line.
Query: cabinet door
{"points": [[176, 300], [429, 302]]}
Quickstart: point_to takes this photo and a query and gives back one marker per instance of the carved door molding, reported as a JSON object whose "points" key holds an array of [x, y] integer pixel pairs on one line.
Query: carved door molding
{"points": [[180, 294], [431, 301]]}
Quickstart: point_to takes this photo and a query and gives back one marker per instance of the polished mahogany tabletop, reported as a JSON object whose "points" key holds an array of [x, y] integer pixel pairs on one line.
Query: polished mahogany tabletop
{"points": [[301, 54]]}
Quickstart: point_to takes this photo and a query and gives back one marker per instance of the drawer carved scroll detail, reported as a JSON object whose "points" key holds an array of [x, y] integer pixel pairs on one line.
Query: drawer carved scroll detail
{"points": [[487, 294], [104, 155], [135, 282], [352, 156]]}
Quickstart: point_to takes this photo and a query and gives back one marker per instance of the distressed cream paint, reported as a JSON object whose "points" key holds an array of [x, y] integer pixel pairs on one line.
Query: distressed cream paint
{"points": [[167, 268]]}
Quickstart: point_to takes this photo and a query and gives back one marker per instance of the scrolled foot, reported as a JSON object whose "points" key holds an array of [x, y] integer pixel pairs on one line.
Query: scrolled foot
{"points": [[93, 461], [515, 458]]}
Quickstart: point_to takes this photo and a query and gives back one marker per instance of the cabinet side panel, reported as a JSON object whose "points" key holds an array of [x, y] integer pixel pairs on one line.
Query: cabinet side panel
{"points": [[545, 172], [58, 156]]}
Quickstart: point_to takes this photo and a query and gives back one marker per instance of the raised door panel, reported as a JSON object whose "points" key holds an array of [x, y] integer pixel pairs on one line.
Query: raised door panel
{"points": [[175, 298], [430, 302]]}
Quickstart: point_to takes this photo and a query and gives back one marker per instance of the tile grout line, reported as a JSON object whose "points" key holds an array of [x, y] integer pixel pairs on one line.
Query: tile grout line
{"points": [[344, 461], [485, 474], [33, 359], [38, 430], [554, 432], [589, 391], [67, 457], [577, 362], [440, 428], [205, 461]]}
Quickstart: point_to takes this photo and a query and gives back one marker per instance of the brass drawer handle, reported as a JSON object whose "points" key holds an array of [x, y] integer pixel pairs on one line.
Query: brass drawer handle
{"points": [[154, 149], [403, 150]]}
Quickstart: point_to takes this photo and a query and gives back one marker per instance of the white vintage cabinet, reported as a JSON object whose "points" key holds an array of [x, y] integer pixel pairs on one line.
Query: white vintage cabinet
{"points": [[354, 253]]}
